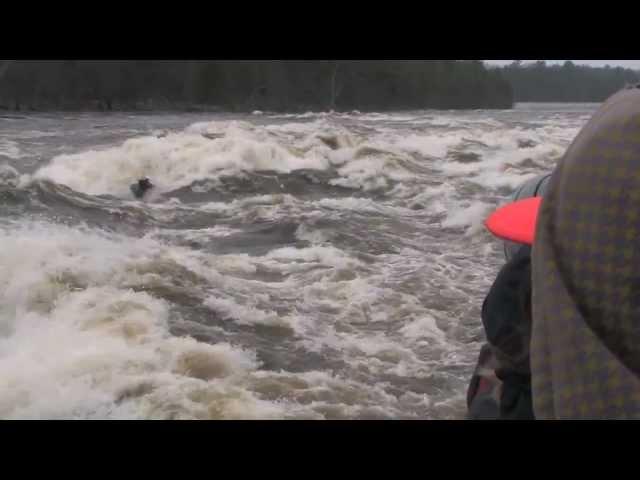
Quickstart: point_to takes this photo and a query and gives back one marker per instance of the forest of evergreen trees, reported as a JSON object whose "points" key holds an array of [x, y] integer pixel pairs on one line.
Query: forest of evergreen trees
{"points": [[251, 85], [539, 82], [298, 85]]}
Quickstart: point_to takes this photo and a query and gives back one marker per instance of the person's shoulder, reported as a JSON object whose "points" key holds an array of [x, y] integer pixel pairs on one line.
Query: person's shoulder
{"points": [[504, 310]]}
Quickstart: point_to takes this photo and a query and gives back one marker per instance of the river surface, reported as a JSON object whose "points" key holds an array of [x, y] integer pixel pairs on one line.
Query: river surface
{"points": [[313, 266]]}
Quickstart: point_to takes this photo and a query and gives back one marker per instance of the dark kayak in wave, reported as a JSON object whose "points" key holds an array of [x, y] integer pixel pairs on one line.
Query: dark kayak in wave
{"points": [[140, 188]]}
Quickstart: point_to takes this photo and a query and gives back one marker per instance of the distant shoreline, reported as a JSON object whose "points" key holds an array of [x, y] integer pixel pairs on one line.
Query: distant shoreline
{"points": [[219, 110], [6, 112]]}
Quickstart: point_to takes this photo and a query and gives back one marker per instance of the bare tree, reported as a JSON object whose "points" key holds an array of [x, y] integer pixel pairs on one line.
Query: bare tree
{"points": [[334, 91], [4, 66]]}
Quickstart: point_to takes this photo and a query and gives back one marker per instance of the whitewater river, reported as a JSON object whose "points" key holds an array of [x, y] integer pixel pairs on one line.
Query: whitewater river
{"points": [[314, 266]]}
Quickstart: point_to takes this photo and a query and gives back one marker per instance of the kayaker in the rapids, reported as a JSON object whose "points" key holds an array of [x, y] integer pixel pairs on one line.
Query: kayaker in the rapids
{"points": [[562, 318], [141, 187]]}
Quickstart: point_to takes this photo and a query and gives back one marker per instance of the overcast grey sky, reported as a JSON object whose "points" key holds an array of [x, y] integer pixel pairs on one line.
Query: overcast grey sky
{"points": [[635, 64]]}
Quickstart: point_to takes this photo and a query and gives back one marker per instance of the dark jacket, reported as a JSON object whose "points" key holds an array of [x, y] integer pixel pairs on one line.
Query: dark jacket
{"points": [[501, 385], [140, 188]]}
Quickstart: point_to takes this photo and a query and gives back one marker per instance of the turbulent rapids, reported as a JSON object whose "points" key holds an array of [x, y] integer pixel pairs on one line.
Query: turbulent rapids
{"points": [[314, 266]]}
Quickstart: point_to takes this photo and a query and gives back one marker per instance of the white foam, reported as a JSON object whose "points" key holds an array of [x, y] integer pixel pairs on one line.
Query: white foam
{"points": [[195, 235], [423, 327], [244, 314], [316, 255], [471, 217], [352, 204], [176, 160], [9, 175], [431, 145], [9, 148], [370, 173], [209, 150], [269, 207], [501, 156], [313, 236], [75, 342]]}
